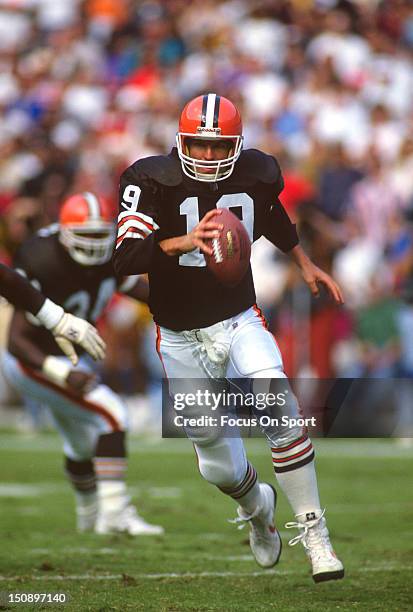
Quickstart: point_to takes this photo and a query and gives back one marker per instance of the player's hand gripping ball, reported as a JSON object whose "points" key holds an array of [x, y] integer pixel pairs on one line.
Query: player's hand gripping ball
{"points": [[231, 250]]}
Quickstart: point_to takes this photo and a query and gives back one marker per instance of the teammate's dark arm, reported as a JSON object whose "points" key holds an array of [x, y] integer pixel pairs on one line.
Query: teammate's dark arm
{"points": [[20, 343], [66, 328], [18, 291], [26, 350]]}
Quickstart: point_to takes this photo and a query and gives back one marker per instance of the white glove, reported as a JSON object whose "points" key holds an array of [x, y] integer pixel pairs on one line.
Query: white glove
{"points": [[72, 330], [217, 341]]}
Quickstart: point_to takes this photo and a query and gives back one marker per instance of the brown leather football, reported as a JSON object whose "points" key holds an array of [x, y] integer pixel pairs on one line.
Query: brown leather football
{"points": [[231, 251]]}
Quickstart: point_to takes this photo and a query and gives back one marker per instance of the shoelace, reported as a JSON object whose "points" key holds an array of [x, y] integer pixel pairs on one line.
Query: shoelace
{"points": [[243, 520], [259, 534], [306, 532]]}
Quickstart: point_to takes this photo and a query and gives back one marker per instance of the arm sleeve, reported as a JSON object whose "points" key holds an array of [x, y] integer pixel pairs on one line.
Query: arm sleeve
{"points": [[137, 225], [279, 229], [274, 222], [19, 292]]}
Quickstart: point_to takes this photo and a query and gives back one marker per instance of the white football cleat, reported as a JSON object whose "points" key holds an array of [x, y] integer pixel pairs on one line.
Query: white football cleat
{"points": [[126, 521], [265, 541], [316, 541], [86, 512]]}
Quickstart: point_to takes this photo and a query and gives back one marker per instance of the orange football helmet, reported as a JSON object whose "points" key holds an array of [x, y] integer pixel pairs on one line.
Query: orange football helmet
{"points": [[209, 117], [87, 230]]}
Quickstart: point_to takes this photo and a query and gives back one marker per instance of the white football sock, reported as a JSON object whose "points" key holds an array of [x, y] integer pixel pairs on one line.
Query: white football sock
{"points": [[300, 488], [86, 509], [85, 499], [112, 495]]}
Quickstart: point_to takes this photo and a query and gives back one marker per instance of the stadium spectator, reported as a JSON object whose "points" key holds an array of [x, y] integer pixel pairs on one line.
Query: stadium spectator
{"points": [[89, 86]]}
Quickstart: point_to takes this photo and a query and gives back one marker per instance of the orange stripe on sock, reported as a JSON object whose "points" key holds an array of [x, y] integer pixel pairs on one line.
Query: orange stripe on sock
{"points": [[282, 449], [307, 449]]}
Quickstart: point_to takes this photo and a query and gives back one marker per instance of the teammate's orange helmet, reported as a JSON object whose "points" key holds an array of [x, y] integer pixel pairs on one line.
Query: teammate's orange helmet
{"points": [[209, 117], [87, 229]]}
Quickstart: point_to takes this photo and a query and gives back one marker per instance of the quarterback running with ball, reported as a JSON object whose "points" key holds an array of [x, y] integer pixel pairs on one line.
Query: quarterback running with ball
{"points": [[168, 213]]}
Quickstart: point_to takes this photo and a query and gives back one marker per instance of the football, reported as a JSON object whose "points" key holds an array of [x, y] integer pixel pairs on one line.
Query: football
{"points": [[231, 251]]}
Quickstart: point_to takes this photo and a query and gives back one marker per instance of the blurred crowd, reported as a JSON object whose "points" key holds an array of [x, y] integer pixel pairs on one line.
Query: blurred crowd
{"points": [[89, 86]]}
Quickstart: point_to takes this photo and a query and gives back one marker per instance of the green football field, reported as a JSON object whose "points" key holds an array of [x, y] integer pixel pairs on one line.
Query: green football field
{"points": [[203, 562]]}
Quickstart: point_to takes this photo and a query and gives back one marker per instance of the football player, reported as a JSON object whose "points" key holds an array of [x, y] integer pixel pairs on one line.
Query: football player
{"points": [[168, 211], [70, 262], [65, 327]]}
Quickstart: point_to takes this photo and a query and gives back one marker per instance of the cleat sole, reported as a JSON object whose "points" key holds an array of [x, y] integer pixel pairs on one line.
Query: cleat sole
{"points": [[325, 576]]}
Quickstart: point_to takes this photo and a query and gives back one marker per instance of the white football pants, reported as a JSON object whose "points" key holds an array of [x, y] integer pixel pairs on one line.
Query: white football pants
{"points": [[254, 354], [80, 420]]}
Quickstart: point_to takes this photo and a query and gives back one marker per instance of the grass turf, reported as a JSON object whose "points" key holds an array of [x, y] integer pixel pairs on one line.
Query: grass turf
{"points": [[203, 562]]}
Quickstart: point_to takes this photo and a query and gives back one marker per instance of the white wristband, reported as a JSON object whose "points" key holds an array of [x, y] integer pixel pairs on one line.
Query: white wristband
{"points": [[56, 369], [50, 314]]}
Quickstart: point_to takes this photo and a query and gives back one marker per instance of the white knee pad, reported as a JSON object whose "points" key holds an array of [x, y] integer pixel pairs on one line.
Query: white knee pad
{"points": [[223, 462], [261, 384]]}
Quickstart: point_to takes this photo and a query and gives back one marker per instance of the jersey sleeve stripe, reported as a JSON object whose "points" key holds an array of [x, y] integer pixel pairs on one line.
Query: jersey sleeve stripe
{"points": [[135, 221], [137, 215], [132, 230], [134, 224], [130, 234]]}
